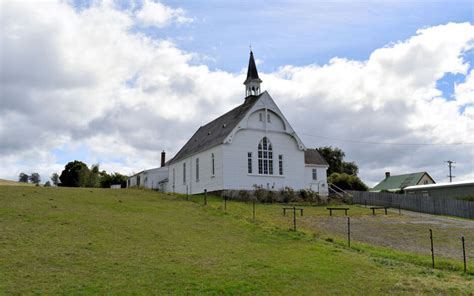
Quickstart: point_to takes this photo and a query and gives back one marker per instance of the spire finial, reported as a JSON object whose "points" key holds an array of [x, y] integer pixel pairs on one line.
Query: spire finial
{"points": [[250, 47]]}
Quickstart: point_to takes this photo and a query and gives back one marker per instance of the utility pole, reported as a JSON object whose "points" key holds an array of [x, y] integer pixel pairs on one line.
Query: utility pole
{"points": [[450, 165]]}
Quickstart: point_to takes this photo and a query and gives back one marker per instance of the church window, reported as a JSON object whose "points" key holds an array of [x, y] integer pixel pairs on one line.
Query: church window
{"points": [[249, 162], [260, 116], [213, 170], [265, 157], [280, 164], [197, 169], [268, 118], [315, 174], [184, 173]]}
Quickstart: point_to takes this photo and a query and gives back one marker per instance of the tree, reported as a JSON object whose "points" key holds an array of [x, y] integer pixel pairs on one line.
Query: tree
{"points": [[75, 174], [47, 184], [55, 179], [23, 178], [35, 178], [347, 182], [335, 158], [116, 178], [93, 179]]}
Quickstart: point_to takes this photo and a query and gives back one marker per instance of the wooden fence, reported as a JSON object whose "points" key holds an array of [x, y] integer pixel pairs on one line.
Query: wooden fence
{"points": [[417, 203]]}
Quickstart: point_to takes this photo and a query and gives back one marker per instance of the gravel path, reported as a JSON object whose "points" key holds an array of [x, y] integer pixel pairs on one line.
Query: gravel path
{"points": [[407, 232]]}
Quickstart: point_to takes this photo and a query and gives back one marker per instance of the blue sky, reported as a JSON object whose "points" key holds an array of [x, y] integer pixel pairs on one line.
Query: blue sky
{"points": [[299, 33]]}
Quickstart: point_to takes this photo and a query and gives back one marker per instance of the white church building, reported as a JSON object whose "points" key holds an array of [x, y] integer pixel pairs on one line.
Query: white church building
{"points": [[251, 145]]}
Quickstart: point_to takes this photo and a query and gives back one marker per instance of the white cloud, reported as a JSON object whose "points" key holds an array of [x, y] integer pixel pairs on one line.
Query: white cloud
{"points": [[157, 14], [72, 78]]}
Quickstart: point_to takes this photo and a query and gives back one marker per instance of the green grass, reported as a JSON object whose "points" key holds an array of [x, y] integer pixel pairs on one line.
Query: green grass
{"points": [[103, 241], [4, 182]]}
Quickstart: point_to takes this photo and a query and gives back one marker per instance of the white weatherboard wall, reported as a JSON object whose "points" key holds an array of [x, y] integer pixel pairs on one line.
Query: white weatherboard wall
{"points": [[264, 119], [320, 184], [236, 174], [206, 179]]}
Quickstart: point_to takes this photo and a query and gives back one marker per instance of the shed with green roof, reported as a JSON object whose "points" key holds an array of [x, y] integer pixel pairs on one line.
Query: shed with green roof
{"points": [[398, 182]]}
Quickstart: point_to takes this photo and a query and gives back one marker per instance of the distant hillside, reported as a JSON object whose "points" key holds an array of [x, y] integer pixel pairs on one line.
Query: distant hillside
{"points": [[4, 182]]}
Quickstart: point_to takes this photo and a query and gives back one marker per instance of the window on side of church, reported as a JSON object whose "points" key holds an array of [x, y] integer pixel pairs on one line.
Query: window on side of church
{"points": [[268, 117], [260, 116], [197, 169], [280, 164], [315, 174], [265, 157], [249, 162], [184, 173], [213, 168]]}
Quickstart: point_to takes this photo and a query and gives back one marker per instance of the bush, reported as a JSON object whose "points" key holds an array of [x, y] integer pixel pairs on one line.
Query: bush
{"points": [[287, 195], [310, 196], [347, 182]]}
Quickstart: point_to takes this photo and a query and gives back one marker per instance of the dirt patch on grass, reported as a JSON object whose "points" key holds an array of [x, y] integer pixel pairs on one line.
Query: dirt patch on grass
{"points": [[407, 232]]}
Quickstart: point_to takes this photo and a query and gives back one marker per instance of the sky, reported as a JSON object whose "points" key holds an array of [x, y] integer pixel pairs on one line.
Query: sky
{"points": [[116, 82]]}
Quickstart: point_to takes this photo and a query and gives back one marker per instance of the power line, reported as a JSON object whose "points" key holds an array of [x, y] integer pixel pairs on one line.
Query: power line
{"points": [[387, 143]]}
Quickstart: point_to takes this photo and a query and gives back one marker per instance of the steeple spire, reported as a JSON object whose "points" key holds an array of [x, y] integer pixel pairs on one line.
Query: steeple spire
{"points": [[252, 83]]}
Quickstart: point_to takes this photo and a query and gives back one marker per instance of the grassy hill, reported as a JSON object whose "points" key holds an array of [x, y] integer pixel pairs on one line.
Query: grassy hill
{"points": [[102, 241], [4, 182]]}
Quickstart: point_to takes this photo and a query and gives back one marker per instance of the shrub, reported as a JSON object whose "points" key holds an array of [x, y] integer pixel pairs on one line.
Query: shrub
{"points": [[287, 194]]}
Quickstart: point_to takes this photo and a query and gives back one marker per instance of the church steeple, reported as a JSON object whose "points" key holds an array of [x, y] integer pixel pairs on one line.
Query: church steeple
{"points": [[252, 83]]}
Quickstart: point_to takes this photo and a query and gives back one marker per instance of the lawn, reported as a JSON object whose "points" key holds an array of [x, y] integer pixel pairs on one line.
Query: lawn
{"points": [[103, 241]]}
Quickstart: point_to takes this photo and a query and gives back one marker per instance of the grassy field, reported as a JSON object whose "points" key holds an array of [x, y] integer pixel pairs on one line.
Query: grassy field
{"points": [[4, 182], [103, 241]]}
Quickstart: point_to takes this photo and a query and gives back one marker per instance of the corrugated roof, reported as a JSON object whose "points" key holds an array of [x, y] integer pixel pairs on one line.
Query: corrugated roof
{"points": [[440, 185], [216, 131], [312, 156], [399, 181]]}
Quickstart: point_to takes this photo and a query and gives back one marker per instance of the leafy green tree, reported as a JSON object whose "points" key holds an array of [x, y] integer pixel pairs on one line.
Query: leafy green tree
{"points": [[75, 174], [347, 182], [23, 178], [35, 178], [93, 178], [116, 178], [335, 158], [55, 179], [47, 184]]}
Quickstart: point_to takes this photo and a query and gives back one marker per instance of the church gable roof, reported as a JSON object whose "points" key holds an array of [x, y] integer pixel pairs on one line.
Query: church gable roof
{"points": [[312, 156], [214, 132]]}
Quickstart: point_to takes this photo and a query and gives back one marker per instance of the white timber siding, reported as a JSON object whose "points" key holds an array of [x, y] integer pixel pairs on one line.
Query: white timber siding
{"points": [[149, 178], [320, 184], [206, 179], [236, 175], [425, 180]]}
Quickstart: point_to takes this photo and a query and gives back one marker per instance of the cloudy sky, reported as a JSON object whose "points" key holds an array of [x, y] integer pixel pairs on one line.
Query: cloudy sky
{"points": [[116, 82]]}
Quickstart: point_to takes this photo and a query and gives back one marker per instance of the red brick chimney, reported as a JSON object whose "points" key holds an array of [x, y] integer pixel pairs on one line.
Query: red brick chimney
{"points": [[163, 158]]}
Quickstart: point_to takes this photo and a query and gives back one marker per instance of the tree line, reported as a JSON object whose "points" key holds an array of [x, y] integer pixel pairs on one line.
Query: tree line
{"points": [[78, 174], [341, 173]]}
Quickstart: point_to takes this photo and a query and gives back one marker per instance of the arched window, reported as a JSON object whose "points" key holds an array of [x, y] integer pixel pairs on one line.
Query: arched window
{"points": [[265, 157]]}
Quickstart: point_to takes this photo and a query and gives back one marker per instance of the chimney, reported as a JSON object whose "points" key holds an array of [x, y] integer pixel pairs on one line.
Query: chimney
{"points": [[387, 175], [163, 155]]}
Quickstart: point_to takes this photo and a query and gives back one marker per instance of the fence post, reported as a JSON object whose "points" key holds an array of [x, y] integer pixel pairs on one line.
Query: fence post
{"points": [[349, 231], [432, 250], [294, 218], [187, 192], [225, 203], [253, 210], [205, 196], [464, 254]]}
